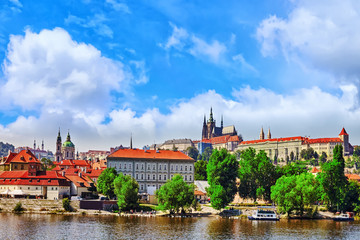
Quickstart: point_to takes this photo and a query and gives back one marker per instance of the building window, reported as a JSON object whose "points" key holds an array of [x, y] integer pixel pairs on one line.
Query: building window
{"points": [[56, 188], [36, 188], [186, 168], [160, 167], [153, 176], [172, 168], [159, 177], [171, 176], [28, 188], [130, 166], [137, 176], [142, 166], [142, 176], [153, 166], [165, 167], [176, 168], [185, 177], [148, 176], [22, 167], [141, 187], [190, 178], [137, 167], [148, 166], [125, 166], [190, 168]]}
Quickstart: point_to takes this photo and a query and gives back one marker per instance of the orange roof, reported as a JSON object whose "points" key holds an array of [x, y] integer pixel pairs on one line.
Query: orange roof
{"points": [[150, 154], [222, 139], [25, 156], [93, 172], [78, 181], [315, 170], [274, 140], [353, 177], [343, 132], [323, 140], [199, 193], [48, 178]]}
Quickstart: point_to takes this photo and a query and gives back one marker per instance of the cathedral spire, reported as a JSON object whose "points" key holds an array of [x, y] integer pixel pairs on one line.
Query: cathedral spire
{"points": [[204, 120], [262, 135], [34, 144], [131, 141], [269, 134], [222, 121], [211, 119], [42, 145], [68, 136]]}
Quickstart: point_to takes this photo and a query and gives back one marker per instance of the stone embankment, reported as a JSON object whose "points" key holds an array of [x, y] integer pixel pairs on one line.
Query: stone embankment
{"points": [[34, 205]]}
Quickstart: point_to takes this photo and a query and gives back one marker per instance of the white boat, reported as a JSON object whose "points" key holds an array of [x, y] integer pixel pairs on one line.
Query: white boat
{"points": [[344, 217], [265, 213]]}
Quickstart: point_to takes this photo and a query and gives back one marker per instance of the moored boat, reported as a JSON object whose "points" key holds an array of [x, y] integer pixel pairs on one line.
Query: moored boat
{"points": [[265, 213], [344, 217]]}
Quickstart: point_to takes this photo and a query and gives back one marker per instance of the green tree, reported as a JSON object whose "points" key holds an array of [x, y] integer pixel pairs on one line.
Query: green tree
{"points": [[200, 170], [46, 163], [323, 157], [126, 190], [293, 169], [175, 194], [105, 183], [192, 152], [292, 157], [351, 200], [357, 151], [257, 174], [332, 179], [295, 192], [309, 153], [206, 154], [66, 205], [222, 171]]}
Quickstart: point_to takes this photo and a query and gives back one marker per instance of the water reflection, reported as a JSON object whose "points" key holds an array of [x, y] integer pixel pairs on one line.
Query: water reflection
{"points": [[28, 226]]}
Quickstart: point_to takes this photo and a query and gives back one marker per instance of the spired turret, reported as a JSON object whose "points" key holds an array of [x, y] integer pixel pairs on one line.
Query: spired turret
{"points": [[58, 155], [68, 148], [262, 135], [344, 136], [269, 134]]}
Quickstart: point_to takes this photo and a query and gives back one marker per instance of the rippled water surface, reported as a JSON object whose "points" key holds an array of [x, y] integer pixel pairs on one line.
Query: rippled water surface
{"points": [[28, 226]]}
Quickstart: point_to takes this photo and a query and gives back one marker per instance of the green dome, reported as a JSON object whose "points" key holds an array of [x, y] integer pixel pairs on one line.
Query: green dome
{"points": [[68, 144]]}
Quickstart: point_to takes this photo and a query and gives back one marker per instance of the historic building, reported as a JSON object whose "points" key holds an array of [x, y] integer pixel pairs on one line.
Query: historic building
{"points": [[281, 148], [152, 168], [179, 144], [65, 150], [217, 137], [210, 129]]}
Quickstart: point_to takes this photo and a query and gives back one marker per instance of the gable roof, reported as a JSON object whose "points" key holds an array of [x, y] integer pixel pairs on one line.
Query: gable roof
{"points": [[149, 154], [343, 132], [323, 140], [24, 156]]}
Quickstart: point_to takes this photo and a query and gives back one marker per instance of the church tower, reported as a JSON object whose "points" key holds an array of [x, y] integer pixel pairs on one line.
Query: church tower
{"points": [[269, 134], [344, 136], [68, 148], [58, 155], [204, 130], [262, 135]]}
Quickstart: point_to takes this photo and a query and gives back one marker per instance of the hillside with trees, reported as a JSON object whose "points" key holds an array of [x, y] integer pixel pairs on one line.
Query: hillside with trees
{"points": [[4, 149]]}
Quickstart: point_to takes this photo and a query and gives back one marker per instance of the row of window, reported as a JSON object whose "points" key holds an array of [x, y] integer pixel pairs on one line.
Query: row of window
{"points": [[161, 167], [28, 188]]}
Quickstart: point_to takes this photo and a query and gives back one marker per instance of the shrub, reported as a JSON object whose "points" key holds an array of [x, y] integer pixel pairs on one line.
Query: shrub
{"points": [[66, 205], [18, 208]]}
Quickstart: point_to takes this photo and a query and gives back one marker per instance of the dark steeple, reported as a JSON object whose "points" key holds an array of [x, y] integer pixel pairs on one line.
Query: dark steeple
{"points": [[204, 120], [131, 141], [68, 137], [59, 137], [222, 121], [211, 119]]}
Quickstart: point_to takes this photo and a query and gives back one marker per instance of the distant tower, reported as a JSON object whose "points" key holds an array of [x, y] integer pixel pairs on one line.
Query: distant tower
{"points": [[131, 141], [262, 135], [344, 136], [68, 148], [58, 155], [222, 122], [34, 144], [42, 145], [204, 130], [269, 134]]}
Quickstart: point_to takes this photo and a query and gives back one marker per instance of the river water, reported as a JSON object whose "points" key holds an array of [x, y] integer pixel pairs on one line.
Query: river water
{"points": [[36, 226]]}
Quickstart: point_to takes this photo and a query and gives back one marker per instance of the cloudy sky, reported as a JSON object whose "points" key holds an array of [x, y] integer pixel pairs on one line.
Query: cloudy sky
{"points": [[106, 69]]}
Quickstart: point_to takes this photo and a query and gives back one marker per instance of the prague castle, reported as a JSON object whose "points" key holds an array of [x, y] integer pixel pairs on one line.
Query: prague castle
{"points": [[280, 148]]}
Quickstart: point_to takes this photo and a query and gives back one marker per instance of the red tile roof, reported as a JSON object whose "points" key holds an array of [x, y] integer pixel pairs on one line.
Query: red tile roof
{"points": [[48, 178], [274, 140], [323, 140], [353, 177], [149, 154], [222, 139], [343, 132], [24, 156], [78, 181], [93, 173], [315, 170]]}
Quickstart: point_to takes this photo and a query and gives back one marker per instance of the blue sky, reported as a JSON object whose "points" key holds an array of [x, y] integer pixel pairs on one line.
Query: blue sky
{"points": [[106, 69]]}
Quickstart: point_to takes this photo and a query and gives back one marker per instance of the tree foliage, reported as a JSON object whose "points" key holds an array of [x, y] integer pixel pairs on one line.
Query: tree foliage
{"points": [[293, 169], [332, 179], [105, 183], [257, 174], [192, 152], [175, 194], [126, 190], [206, 154], [309, 153], [295, 192], [200, 170], [357, 151], [222, 171]]}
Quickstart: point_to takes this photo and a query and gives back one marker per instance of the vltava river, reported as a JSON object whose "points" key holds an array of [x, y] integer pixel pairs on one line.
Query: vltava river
{"points": [[34, 226]]}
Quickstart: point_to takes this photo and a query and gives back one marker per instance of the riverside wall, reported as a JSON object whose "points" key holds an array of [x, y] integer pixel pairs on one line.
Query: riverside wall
{"points": [[8, 204]]}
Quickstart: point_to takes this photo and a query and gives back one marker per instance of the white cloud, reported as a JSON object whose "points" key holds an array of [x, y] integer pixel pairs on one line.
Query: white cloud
{"points": [[17, 3], [96, 22], [119, 6], [317, 34], [240, 58], [182, 41]]}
